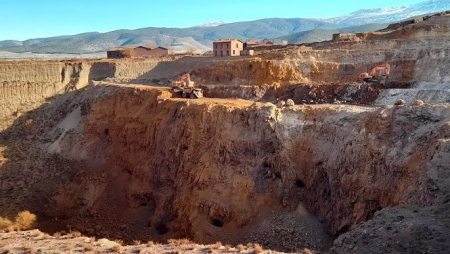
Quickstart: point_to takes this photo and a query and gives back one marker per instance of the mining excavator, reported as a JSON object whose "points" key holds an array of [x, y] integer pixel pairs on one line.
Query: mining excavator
{"points": [[378, 74], [186, 87]]}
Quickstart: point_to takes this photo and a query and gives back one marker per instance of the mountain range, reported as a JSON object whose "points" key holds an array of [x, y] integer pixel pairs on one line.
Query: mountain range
{"points": [[200, 38]]}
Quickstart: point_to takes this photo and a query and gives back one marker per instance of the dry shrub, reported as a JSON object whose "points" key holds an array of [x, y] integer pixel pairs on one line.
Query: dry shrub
{"points": [[75, 233], [10, 228], [182, 241], [186, 241], [57, 234], [227, 246], [5, 223], [25, 220], [150, 244], [249, 245], [119, 242], [127, 52], [240, 247], [137, 242], [257, 248], [180, 244], [28, 122]]}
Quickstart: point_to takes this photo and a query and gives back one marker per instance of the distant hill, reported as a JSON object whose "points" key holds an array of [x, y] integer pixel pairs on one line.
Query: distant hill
{"points": [[316, 35], [201, 37]]}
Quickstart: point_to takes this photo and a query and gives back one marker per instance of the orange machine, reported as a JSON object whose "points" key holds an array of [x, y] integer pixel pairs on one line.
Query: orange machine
{"points": [[186, 87], [379, 73], [185, 81]]}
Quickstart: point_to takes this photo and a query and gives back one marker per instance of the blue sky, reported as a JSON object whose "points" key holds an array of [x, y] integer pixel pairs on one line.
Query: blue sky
{"points": [[25, 19]]}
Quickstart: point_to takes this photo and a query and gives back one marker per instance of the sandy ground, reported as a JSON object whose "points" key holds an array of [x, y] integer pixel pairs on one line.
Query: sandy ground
{"points": [[34, 241]]}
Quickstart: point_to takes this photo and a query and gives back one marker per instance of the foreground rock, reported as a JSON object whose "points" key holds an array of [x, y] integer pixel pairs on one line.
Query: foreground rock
{"points": [[35, 241]]}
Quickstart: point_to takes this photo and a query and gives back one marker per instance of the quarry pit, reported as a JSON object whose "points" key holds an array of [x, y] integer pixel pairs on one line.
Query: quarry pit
{"points": [[105, 148]]}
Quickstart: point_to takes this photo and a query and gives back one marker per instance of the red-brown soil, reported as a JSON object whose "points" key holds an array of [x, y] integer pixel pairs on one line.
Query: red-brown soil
{"points": [[88, 151]]}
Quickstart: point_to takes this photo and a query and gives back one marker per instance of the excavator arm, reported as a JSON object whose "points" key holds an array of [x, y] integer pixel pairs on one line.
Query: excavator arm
{"points": [[185, 81], [379, 73], [386, 68], [186, 87]]}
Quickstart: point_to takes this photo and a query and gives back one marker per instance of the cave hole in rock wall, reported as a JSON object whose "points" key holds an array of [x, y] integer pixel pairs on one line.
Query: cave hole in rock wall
{"points": [[162, 229], [299, 183], [217, 223]]}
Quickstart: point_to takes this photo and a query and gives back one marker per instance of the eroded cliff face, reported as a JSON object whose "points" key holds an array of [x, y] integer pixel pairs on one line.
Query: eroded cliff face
{"points": [[26, 85], [189, 165], [163, 167], [416, 53], [252, 71]]}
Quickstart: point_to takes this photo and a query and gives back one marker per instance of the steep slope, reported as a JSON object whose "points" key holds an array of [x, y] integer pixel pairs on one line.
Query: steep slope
{"points": [[132, 163]]}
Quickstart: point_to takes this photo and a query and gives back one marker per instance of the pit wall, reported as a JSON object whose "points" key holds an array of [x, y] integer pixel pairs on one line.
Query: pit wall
{"points": [[251, 71], [182, 160], [194, 163], [416, 53], [25, 85], [409, 63]]}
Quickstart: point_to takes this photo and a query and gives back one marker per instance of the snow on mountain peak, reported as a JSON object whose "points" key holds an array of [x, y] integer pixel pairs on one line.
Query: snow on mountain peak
{"points": [[390, 14], [381, 11], [212, 24]]}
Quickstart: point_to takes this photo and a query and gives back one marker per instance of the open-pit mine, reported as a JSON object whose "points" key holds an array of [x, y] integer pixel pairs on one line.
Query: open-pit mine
{"points": [[105, 148]]}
